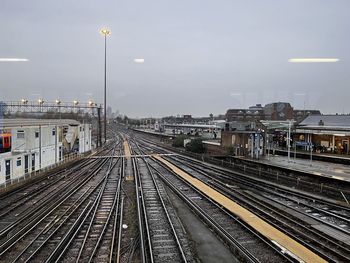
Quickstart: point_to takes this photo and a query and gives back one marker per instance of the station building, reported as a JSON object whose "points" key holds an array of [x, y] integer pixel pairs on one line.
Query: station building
{"points": [[34, 144], [276, 111], [271, 111], [205, 131], [327, 133]]}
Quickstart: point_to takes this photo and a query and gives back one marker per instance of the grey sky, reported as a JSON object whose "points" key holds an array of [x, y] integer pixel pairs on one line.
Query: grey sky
{"points": [[201, 56]]}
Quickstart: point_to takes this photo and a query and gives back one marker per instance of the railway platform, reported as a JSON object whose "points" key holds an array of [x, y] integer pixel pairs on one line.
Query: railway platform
{"points": [[325, 157], [320, 168]]}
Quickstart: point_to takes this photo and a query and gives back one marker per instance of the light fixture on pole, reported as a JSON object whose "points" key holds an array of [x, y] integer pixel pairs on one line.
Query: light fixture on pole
{"points": [[105, 32]]}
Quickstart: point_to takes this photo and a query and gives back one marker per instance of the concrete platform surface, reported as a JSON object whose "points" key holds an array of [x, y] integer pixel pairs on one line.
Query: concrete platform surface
{"points": [[327, 155], [321, 168]]}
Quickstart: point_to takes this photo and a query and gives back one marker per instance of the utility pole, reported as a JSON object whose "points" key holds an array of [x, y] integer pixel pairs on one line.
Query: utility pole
{"points": [[105, 32], [289, 131]]}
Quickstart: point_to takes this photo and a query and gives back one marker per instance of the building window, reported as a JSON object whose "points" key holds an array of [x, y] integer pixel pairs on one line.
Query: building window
{"points": [[36, 134], [53, 132], [20, 134], [19, 161]]}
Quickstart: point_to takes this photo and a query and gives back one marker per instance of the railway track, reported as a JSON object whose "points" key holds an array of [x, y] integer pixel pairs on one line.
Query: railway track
{"points": [[33, 194], [45, 222], [319, 209], [44, 232], [93, 239], [306, 231], [278, 207], [78, 214], [165, 239], [248, 244], [245, 242], [330, 214]]}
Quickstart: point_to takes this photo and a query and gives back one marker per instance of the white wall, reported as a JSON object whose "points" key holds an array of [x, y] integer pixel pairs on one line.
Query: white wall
{"points": [[46, 142], [45, 147], [84, 138]]}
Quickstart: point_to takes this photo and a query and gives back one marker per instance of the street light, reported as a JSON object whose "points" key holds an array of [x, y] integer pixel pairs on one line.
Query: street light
{"points": [[24, 101], [105, 32], [58, 102], [75, 102]]}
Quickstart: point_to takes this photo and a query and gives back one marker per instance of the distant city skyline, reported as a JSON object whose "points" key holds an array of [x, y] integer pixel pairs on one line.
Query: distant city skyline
{"points": [[199, 57]]}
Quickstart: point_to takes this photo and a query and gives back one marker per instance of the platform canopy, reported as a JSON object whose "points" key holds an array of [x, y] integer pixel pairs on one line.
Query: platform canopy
{"points": [[326, 122], [277, 125]]}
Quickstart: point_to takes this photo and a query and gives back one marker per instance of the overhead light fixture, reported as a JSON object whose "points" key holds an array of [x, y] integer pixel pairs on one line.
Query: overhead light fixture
{"points": [[13, 59], [313, 60], [105, 31], [139, 60]]}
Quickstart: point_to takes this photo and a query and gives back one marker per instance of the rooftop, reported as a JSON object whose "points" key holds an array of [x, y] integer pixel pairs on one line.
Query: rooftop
{"points": [[11, 123], [334, 121]]}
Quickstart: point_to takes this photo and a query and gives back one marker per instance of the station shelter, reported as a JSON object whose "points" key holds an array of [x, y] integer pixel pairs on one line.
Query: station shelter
{"points": [[324, 133]]}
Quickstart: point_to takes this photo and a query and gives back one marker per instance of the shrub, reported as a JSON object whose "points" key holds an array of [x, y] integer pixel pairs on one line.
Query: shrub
{"points": [[195, 146], [179, 141]]}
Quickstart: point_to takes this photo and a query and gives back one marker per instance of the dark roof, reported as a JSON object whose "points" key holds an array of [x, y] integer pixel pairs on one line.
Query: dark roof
{"points": [[326, 121]]}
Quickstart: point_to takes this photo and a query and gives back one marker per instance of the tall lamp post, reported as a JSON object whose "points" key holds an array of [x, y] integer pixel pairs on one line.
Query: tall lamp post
{"points": [[105, 32]]}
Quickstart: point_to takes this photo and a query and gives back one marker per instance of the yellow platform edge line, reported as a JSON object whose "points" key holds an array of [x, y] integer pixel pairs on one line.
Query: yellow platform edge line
{"points": [[127, 151], [250, 218]]}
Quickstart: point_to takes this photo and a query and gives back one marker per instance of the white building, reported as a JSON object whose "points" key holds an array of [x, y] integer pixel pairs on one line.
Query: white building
{"points": [[39, 143]]}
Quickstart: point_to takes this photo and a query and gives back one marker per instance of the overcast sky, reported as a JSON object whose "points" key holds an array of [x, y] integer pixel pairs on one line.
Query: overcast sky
{"points": [[201, 56]]}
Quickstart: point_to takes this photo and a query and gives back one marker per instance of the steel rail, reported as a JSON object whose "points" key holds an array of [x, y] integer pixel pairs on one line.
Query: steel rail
{"points": [[272, 190], [35, 221], [240, 222], [140, 210], [229, 239], [184, 259], [62, 247], [115, 225], [40, 214], [238, 195], [302, 236]]}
